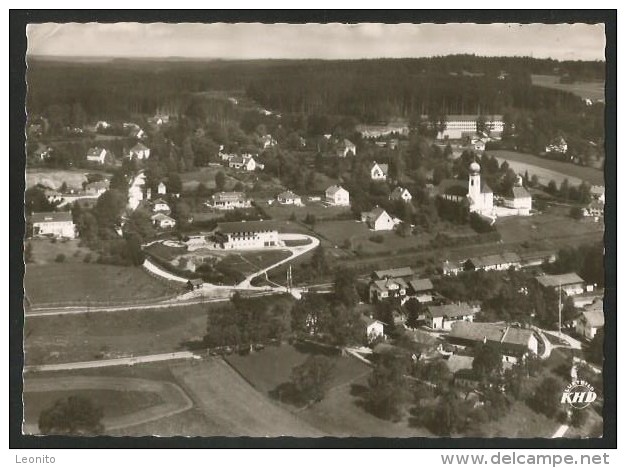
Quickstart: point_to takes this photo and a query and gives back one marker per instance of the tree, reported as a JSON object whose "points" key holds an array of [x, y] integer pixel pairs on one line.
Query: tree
{"points": [[487, 361], [387, 388], [547, 397], [174, 183], [345, 287], [551, 189], [318, 261], [220, 181], [595, 352], [311, 378], [74, 415], [140, 223], [35, 201]]}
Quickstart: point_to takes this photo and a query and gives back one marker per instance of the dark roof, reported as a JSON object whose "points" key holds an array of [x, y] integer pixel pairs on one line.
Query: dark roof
{"points": [[424, 284], [509, 337], [51, 217], [491, 260], [247, 226], [394, 272], [520, 192], [228, 196], [195, 281], [553, 281], [450, 310]]}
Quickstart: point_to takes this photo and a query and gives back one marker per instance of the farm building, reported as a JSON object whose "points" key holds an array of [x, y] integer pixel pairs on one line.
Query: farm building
{"points": [[591, 320], [247, 235], [514, 343], [421, 289], [442, 317], [53, 224], [493, 262], [570, 283], [403, 272]]}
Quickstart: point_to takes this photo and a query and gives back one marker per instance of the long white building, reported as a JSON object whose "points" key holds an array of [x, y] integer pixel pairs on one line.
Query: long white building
{"points": [[462, 125], [247, 235]]}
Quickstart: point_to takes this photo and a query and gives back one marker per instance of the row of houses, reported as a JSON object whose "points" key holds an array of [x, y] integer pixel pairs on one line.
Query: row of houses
{"points": [[99, 155], [498, 262]]}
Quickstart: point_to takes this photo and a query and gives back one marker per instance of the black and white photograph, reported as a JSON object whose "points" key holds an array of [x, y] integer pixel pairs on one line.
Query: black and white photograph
{"points": [[325, 229]]}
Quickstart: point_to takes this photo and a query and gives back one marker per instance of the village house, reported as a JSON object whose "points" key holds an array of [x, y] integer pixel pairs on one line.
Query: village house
{"points": [[515, 344], [442, 317], [162, 221], [400, 194], [161, 188], [229, 201], [139, 151], [97, 187], [380, 290], [478, 145], [498, 262], [478, 193], [520, 200], [195, 283], [403, 272], [374, 329], [591, 320], [421, 289], [43, 153], [452, 268], [247, 235], [345, 148], [538, 258], [98, 155], [53, 224], [102, 125], [594, 209], [570, 283], [289, 198], [379, 171], [160, 206], [267, 141], [53, 196], [337, 195], [383, 129], [246, 163], [558, 145], [378, 219]]}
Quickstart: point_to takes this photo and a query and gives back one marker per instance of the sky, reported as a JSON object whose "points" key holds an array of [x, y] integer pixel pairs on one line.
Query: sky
{"points": [[322, 41]]}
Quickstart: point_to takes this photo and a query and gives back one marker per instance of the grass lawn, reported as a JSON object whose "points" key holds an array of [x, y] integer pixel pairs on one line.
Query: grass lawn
{"points": [[548, 169], [520, 422], [250, 262], [85, 337], [54, 178], [113, 403], [46, 251], [317, 209], [90, 283], [553, 228], [593, 90], [206, 176]]}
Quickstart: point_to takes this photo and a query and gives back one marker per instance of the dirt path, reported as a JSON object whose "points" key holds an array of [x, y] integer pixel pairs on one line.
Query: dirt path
{"points": [[228, 400], [174, 399]]}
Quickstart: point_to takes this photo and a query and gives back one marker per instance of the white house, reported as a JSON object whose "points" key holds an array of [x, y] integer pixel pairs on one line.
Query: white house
{"points": [[267, 141], [337, 195], [229, 201], [559, 145], [161, 188], [163, 221], [380, 290], [374, 329], [97, 155], [160, 206], [591, 320], [459, 126], [345, 147], [247, 163], [289, 198], [247, 235], [442, 317], [378, 219], [594, 209], [402, 194], [379, 171], [53, 224], [520, 200], [139, 151]]}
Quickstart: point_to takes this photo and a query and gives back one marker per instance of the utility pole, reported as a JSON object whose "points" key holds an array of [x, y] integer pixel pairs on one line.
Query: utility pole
{"points": [[560, 307]]}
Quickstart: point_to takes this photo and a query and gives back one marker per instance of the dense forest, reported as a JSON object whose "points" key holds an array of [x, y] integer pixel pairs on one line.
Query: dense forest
{"points": [[368, 90]]}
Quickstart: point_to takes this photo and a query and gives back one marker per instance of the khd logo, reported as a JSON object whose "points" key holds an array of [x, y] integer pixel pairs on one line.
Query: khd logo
{"points": [[579, 394]]}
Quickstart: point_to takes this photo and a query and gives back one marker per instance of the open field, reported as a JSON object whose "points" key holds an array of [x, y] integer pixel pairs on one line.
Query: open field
{"points": [[520, 422], [317, 209], [593, 90], [549, 169], [234, 405], [90, 283], [85, 337], [46, 251], [250, 262], [125, 401], [54, 178]]}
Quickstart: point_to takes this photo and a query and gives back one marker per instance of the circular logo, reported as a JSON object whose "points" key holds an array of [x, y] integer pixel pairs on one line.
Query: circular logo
{"points": [[579, 394]]}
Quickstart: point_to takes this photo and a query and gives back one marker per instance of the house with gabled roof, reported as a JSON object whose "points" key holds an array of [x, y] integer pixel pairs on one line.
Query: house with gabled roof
{"points": [[591, 320], [379, 171], [163, 221], [346, 147], [337, 195], [289, 198], [401, 194], [53, 224], [374, 329], [519, 199], [441, 317], [421, 289], [569, 283], [380, 290], [246, 163], [229, 201], [378, 219], [139, 151]]}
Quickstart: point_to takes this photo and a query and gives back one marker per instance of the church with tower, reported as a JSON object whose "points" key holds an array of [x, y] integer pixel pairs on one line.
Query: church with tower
{"points": [[476, 192]]}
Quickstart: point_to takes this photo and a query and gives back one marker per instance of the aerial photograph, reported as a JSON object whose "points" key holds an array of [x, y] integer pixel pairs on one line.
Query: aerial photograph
{"points": [[314, 230]]}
